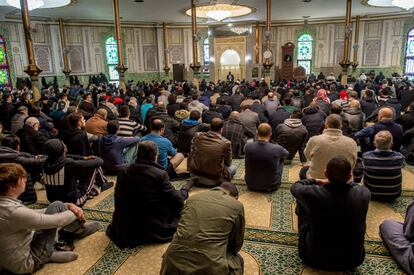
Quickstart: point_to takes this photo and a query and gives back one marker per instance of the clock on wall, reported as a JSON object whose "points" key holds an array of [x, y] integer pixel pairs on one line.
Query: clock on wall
{"points": [[267, 54], [287, 58]]}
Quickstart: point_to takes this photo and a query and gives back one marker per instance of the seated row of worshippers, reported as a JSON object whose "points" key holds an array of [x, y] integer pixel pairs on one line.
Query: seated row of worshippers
{"points": [[72, 175]]}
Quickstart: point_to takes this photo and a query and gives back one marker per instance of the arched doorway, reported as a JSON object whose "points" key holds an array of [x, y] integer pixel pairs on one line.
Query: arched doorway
{"points": [[230, 62]]}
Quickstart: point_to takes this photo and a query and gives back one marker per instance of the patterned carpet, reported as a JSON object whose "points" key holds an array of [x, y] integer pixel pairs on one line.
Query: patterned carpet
{"points": [[270, 245]]}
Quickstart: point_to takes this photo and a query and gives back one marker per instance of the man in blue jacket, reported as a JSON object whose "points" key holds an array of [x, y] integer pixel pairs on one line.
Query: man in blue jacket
{"points": [[111, 147]]}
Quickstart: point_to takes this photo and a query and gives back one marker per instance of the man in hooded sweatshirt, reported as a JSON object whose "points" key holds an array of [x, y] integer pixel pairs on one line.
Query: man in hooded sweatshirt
{"points": [[111, 147], [189, 127], [71, 178], [292, 136]]}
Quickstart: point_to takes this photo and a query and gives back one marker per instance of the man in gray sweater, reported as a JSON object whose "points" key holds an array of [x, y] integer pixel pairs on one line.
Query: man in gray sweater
{"points": [[27, 236]]}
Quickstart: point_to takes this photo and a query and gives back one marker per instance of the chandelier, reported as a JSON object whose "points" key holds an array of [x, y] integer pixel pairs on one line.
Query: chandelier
{"points": [[404, 4], [36, 4], [219, 12], [240, 30]]}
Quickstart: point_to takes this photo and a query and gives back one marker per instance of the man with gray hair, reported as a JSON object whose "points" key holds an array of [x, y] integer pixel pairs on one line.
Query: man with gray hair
{"points": [[382, 169], [31, 140]]}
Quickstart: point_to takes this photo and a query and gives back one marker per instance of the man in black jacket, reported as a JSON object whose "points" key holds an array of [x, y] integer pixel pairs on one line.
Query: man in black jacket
{"points": [[75, 138], [71, 178], [31, 140], [332, 218], [10, 153], [313, 119], [292, 135], [189, 127], [147, 206]]}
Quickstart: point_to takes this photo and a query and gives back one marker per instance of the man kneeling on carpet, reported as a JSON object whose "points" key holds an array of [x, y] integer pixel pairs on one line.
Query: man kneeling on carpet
{"points": [[147, 206], [332, 218], [209, 236], [27, 237]]}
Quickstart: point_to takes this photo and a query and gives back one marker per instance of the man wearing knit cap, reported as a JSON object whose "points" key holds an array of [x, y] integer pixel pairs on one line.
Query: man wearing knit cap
{"points": [[71, 178], [96, 125]]}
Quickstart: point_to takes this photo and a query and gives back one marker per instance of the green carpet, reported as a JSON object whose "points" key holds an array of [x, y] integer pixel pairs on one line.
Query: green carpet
{"points": [[270, 236]]}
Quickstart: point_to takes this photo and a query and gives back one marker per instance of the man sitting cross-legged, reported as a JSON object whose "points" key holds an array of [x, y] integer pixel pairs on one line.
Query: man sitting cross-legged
{"points": [[320, 149], [27, 236], [147, 207], [382, 169], [264, 161], [72, 178], [111, 147], [209, 235], [332, 218], [211, 156], [399, 238], [165, 148]]}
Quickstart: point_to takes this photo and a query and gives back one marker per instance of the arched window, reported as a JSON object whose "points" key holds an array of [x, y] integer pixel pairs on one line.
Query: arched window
{"points": [[409, 55], [305, 49], [4, 64], [112, 58], [206, 52]]}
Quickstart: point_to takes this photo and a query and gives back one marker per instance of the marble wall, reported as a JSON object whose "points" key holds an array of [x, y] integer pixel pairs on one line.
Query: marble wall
{"points": [[381, 43]]}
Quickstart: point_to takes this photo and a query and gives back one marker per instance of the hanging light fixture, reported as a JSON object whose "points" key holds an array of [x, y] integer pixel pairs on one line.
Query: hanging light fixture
{"points": [[38, 4], [404, 4], [218, 15], [32, 4], [219, 12]]}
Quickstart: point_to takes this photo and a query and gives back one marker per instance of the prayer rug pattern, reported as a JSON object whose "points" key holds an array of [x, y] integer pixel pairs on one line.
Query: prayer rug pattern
{"points": [[270, 237]]}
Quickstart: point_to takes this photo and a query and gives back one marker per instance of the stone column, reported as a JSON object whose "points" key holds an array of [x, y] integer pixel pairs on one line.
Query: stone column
{"points": [[121, 68], [66, 70], [267, 62], [345, 63], [356, 45], [32, 69], [195, 66]]}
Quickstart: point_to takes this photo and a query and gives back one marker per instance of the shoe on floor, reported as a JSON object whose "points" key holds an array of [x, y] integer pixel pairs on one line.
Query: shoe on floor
{"points": [[88, 229], [107, 185]]}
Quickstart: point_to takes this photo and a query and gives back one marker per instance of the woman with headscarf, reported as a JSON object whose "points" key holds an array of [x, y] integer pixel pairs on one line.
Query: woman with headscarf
{"points": [[71, 178], [322, 100]]}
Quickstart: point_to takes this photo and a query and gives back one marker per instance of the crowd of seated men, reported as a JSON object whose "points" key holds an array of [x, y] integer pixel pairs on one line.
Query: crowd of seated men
{"points": [[352, 142]]}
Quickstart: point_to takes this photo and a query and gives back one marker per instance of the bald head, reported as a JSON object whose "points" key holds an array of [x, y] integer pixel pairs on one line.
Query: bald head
{"points": [[235, 114], [32, 122], [385, 113], [270, 95], [264, 131]]}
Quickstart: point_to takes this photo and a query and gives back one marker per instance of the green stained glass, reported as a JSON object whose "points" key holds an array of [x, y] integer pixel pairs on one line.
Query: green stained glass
{"points": [[4, 77], [305, 50], [305, 37], [3, 55], [111, 51]]}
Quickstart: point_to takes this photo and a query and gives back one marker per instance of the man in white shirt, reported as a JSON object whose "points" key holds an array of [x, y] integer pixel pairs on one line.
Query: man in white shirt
{"points": [[27, 236]]}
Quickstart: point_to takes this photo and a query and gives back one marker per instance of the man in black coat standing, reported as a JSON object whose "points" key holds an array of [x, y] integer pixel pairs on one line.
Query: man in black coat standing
{"points": [[332, 218], [147, 206]]}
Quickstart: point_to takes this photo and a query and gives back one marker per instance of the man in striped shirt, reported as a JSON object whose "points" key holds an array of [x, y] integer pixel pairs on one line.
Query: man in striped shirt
{"points": [[382, 169], [127, 127]]}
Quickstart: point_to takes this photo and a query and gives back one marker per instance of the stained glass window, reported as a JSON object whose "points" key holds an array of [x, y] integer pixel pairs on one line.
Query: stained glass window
{"points": [[305, 52], [206, 52], [4, 65], [112, 57], [409, 55]]}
